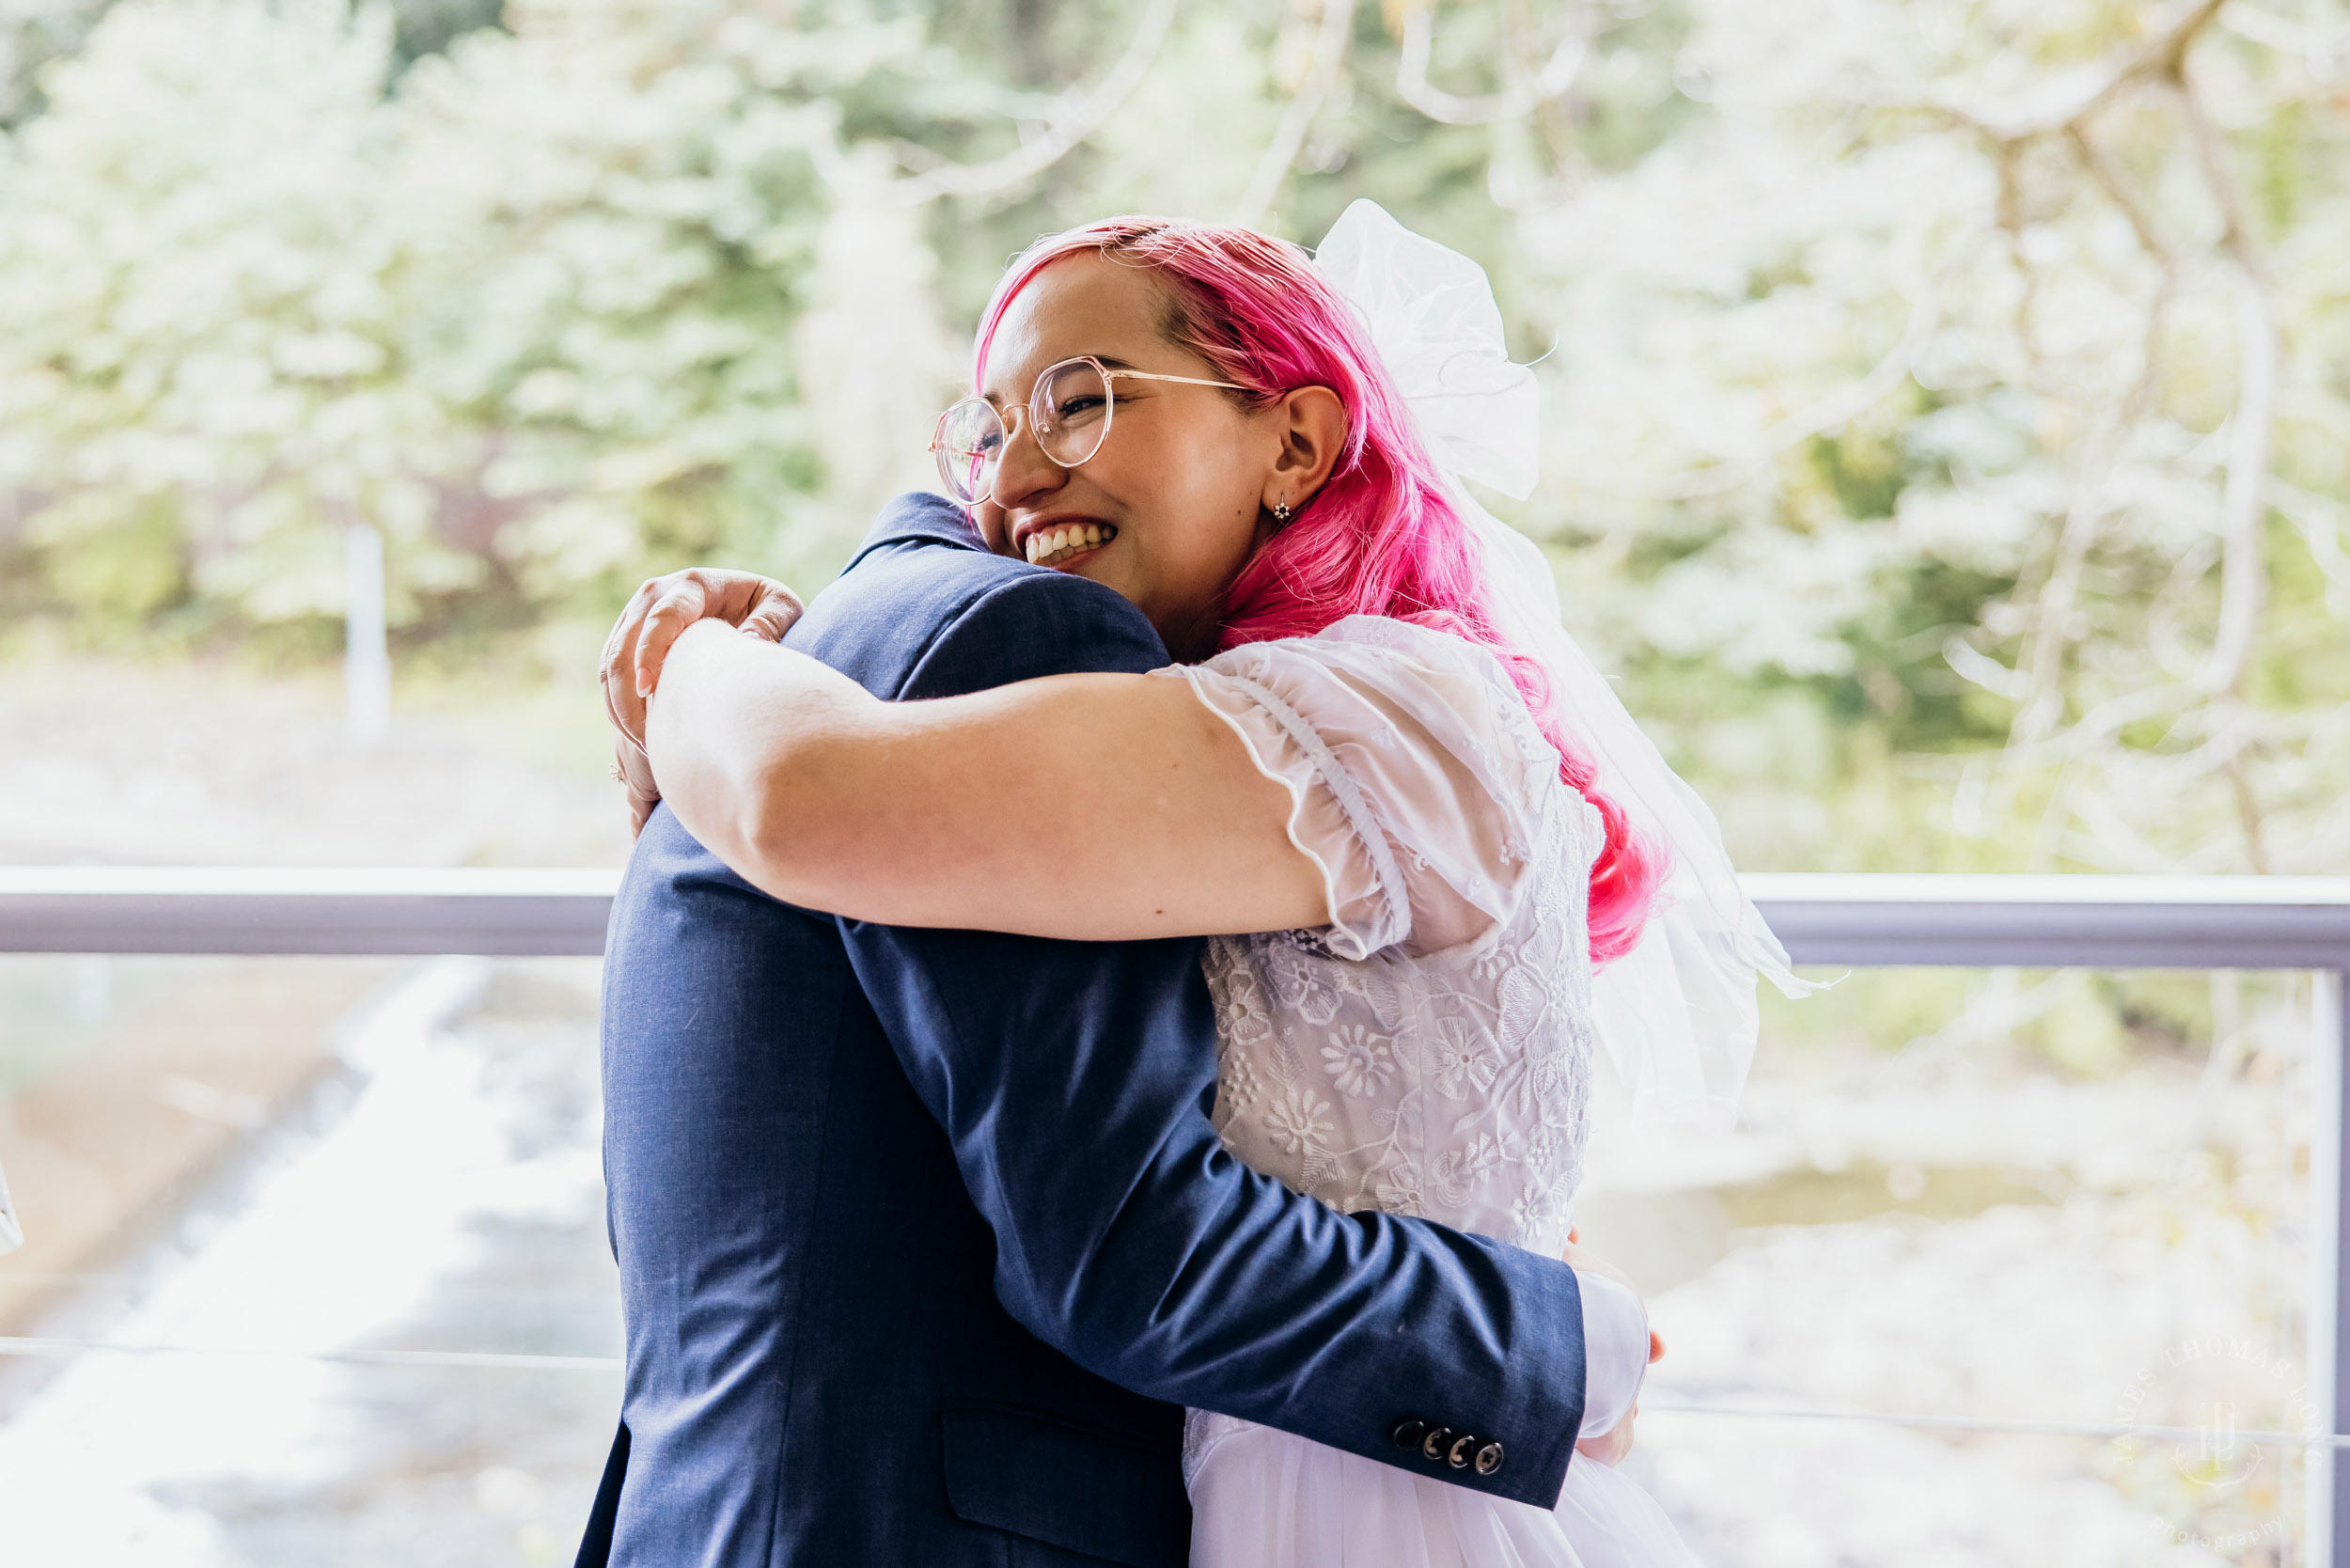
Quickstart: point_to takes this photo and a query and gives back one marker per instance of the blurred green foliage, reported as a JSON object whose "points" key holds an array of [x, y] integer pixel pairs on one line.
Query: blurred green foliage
{"points": [[1946, 401]]}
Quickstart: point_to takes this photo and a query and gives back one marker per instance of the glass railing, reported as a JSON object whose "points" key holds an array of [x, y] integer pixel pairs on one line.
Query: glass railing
{"points": [[315, 1267], [2027, 1250]]}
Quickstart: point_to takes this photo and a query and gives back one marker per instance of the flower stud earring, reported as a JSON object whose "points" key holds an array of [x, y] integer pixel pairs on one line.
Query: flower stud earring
{"points": [[1282, 512]]}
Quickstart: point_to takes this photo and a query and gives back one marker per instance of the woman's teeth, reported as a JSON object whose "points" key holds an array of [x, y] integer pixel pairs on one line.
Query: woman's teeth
{"points": [[1046, 547]]}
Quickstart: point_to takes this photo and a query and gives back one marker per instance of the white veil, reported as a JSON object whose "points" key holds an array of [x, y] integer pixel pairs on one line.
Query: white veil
{"points": [[1677, 1015], [11, 1234]]}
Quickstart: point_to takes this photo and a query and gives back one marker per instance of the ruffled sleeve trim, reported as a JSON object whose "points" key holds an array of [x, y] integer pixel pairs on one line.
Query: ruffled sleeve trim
{"points": [[1418, 783], [1359, 925]]}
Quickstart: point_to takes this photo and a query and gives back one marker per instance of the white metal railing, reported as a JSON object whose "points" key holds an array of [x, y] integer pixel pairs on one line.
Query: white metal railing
{"points": [[490, 913], [2035, 921], [2026, 921]]}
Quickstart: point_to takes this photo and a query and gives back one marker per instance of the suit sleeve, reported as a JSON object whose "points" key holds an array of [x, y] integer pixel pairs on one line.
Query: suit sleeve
{"points": [[1075, 1082]]}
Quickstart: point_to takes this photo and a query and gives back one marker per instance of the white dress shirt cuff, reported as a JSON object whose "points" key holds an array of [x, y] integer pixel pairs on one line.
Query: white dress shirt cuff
{"points": [[1615, 1352]]}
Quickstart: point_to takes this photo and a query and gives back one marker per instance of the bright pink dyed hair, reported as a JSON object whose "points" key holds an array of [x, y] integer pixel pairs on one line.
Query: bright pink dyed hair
{"points": [[1379, 538]]}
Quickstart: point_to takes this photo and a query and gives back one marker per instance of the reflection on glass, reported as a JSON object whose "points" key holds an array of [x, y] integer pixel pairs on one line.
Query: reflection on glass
{"points": [[1987, 1203], [339, 1225], [315, 1268]]}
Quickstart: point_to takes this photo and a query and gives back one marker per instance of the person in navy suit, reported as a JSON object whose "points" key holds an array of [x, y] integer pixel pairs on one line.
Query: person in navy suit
{"points": [[926, 1237]]}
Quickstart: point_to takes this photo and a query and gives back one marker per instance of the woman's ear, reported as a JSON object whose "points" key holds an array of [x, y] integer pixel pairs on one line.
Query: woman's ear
{"points": [[1313, 432]]}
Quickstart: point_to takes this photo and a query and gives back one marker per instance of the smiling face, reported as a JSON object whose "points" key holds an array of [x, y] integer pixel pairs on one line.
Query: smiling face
{"points": [[1178, 494]]}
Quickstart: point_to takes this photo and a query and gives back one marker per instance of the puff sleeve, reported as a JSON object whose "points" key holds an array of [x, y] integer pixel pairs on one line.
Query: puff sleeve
{"points": [[1416, 774]]}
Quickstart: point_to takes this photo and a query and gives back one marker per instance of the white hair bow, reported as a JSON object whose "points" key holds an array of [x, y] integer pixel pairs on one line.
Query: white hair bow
{"points": [[1677, 1015]]}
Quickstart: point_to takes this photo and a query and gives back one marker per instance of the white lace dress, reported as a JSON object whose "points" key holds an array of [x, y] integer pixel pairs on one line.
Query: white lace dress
{"points": [[1428, 1053]]}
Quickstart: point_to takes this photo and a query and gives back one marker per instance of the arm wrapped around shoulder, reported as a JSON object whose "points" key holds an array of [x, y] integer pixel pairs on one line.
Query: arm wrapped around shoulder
{"points": [[1087, 804], [1074, 1080]]}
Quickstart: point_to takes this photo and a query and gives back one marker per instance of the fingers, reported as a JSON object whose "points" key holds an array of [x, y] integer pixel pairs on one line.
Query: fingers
{"points": [[1580, 1257], [760, 605], [770, 622], [619, 648], [618, 668], [683, 603], [777, 610], [1609, 1450], [631, 613], [633, 769], [658, 613], [1610, 1447]]}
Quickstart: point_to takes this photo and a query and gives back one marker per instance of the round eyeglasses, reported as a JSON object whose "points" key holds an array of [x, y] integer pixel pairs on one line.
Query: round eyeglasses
{"points": [[1069, 414]]}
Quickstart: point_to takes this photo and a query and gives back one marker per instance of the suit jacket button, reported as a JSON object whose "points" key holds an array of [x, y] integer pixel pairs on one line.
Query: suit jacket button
{"points": [[1438, 1439], [1458, 1454], [1408, 1432], [1489, 1459]]}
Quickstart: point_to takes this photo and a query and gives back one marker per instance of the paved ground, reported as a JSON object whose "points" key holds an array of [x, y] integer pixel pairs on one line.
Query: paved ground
{"points": [[151, 1073], [444, 1195]]}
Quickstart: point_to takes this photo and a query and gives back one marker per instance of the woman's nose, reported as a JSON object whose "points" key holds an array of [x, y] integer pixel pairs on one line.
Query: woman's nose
{"points": [[1024, 471]]}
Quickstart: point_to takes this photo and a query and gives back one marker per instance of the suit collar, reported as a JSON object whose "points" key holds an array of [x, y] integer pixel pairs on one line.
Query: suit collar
{"points": [[919, 515]]}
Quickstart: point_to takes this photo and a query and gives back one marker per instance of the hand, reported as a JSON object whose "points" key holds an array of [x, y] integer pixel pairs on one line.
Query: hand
{"points": [[1610, 1447], [641, 639]]}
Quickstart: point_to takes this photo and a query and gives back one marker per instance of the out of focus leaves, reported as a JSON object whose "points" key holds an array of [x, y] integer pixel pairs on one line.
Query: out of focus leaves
{"points": [[1946, 402]]}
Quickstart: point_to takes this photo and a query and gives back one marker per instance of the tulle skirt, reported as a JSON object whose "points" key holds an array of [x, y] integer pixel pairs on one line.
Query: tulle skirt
{"points": [[1262, 1498]]}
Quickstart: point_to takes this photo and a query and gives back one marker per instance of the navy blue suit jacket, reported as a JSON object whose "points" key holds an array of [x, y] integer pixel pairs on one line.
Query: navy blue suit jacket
{"points": [[925, 1238]]}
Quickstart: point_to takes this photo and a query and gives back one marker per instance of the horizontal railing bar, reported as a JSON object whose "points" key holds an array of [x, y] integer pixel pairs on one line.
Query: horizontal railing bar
{"points": [[1879, 888], [493, 1360], [2034, 921], [294, 880], [496, 913], [1650, 1403], [506, 1361], [39, 1280], [2097, 922]]}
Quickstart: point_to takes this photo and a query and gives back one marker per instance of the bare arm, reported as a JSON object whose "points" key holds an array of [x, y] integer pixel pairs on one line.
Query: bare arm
{"points": [[1102, 808]]}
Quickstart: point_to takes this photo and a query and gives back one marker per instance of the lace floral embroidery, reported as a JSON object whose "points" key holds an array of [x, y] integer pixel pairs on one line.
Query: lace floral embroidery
{"points": [[1454, 1087], [1360, 1061]]}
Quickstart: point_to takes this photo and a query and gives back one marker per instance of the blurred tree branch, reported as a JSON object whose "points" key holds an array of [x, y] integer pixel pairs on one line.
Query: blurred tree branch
{"points": [[1331, 38], [1079, 118], [1951, 393]]}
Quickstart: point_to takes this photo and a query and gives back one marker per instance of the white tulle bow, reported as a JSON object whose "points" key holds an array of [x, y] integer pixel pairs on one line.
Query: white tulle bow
{"points": [[1677, 1015], [1433, 315]]}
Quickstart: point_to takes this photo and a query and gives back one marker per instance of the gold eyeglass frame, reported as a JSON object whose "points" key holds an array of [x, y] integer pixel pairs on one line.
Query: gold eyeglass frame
{"points": [[947, 457]]}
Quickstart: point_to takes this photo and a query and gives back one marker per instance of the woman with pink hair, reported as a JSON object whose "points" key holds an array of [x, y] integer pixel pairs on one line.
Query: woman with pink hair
{"points": [[1353, 763]]}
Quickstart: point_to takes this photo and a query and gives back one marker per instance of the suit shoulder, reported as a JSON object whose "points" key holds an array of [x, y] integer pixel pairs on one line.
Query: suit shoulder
{"points": [[1032, 623], [921, 576], [923, 617], [1034, 596]]}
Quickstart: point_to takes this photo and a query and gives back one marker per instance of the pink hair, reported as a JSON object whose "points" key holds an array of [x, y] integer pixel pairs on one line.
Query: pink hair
{"points": [[1379, 538]]}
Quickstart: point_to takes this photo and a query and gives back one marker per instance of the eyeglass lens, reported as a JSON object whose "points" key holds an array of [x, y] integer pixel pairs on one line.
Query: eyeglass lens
{"points": [[1069, 411]]}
